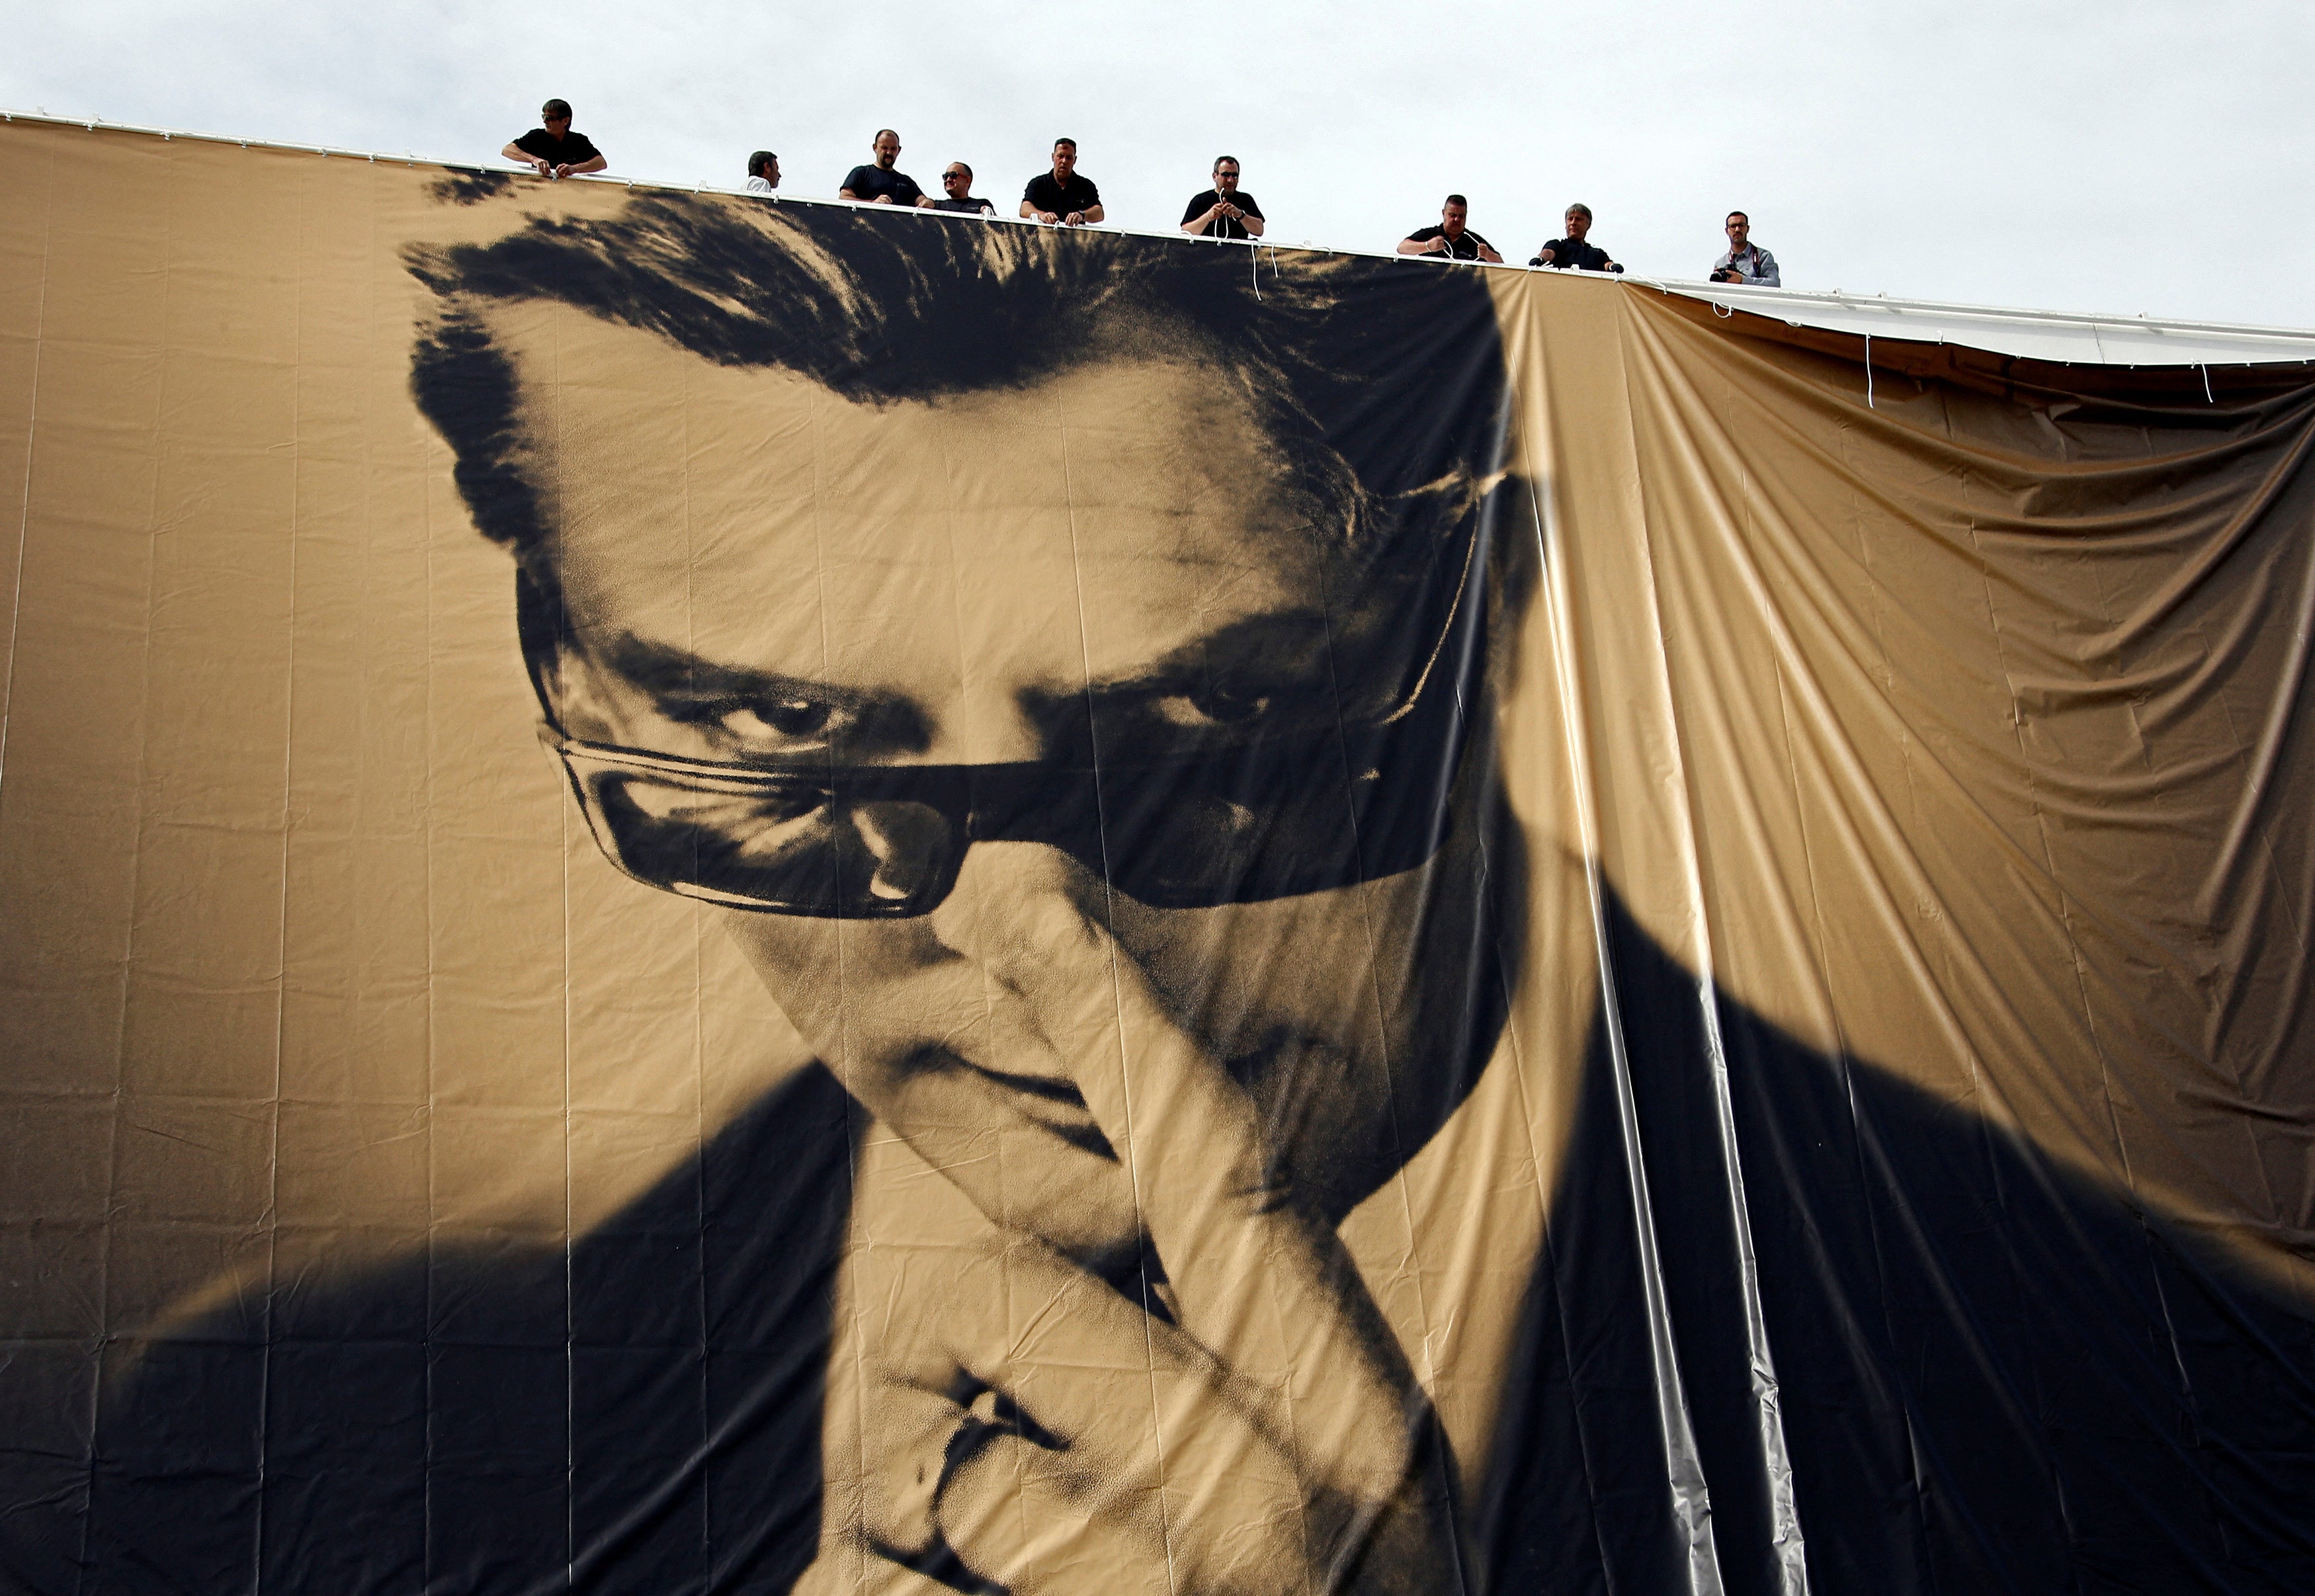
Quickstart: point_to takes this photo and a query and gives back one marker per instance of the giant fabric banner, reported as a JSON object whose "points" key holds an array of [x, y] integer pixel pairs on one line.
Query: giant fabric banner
{"points": [[707, 895]]}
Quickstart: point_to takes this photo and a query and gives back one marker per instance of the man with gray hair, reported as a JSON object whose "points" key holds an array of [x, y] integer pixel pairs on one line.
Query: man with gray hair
{"points": [[1572, 251]]}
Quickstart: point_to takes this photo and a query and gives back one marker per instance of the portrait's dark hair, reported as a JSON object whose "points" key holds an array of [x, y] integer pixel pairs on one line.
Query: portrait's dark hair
{"points": [[555, 107], [1071, 142], [1378, 385], [760, 162], [1732, 214], [1457, 199]]}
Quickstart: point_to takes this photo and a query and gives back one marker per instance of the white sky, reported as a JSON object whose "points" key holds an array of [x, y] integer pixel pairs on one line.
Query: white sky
{"points": [[2130, 156]]}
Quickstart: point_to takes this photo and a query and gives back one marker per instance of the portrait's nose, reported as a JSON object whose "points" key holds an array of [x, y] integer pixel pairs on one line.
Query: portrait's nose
{"points": [[1012, 902]]}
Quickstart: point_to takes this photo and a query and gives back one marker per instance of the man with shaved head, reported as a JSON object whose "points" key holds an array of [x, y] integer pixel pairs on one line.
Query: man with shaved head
{"points": [[880, 181]]}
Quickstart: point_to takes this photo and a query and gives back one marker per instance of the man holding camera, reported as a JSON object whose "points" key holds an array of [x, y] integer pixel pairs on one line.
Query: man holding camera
{"points": [[1745, 262]]}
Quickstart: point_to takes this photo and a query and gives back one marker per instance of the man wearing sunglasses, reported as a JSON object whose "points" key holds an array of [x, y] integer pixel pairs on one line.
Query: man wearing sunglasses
{"points": [[554, 150], [967, 755], [957, 195], [1224, 211]]}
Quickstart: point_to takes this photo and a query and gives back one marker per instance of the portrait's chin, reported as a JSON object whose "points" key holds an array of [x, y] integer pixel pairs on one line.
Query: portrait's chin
{"points": [[1326, 1119], [1022, 1148]]}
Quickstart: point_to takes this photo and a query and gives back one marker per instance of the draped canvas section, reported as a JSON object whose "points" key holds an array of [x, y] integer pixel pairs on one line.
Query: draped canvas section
{"points": [[1977, 709]]}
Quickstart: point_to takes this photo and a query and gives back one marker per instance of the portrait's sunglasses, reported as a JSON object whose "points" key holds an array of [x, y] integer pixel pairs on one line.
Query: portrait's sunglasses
{"points": [[1262, 820]]}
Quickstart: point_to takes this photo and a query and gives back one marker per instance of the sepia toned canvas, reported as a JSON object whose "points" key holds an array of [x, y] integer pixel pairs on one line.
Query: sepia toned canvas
{"points": [[699, 894]]}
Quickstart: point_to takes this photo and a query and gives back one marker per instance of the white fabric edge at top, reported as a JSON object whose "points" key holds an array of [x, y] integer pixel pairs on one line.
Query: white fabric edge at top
{"points": [[2095, 339]]}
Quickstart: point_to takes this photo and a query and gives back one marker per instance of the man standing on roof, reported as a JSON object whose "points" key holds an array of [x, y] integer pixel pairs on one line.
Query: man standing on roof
{"points": [[881, 184], [1060, 195], [554, 150], [1572, 251], [1223, 212], [1452, 237], [1745, 261]]}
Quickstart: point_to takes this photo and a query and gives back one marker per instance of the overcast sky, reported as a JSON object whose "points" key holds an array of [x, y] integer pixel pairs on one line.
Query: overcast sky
{"points": [[2124, 156]]}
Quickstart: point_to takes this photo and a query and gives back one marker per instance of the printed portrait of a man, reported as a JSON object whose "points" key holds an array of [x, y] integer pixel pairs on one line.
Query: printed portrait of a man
{"points": [[1080, 702], [1250, 1146]]}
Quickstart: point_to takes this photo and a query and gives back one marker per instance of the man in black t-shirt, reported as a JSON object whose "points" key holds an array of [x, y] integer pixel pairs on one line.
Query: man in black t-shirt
{"points": [[554, 150], [1572, 250], [1060, 195], [956, 186], [1222, 211], [1452, 237], [880, 184]]}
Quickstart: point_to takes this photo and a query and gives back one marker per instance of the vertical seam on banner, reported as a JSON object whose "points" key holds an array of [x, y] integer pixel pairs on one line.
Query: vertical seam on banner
{"points": [[1689, 1501], [853, 1541], [1869, 1160], [281, 971], [1537, 475], [429, 441], [7, 699], [699, 1208], [699, 1083], [570, 1308], [1117, 1012], [1786, 1544], [1366, 935], [136, 878], [984, 984], [24, 504]]}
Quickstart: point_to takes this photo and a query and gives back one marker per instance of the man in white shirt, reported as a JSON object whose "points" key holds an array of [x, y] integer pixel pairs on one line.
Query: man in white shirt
{"points": [[763, 172]]}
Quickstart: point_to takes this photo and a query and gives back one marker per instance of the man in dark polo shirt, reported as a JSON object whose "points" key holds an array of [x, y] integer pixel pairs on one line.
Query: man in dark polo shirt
{"points": [[1572, 251], [554, 150], [1452, 237], [957, 195], [880, 183], [1060, 195], [1222, 211]]}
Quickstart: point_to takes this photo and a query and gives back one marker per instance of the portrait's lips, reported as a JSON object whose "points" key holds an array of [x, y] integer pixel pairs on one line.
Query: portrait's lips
{"points": [[1056, 1106], [1053, 1104]]}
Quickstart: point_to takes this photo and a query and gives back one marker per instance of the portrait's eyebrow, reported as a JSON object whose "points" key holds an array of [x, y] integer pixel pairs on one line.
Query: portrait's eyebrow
{"points": [[665, 670], [1290, 646], [679, 680]]}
